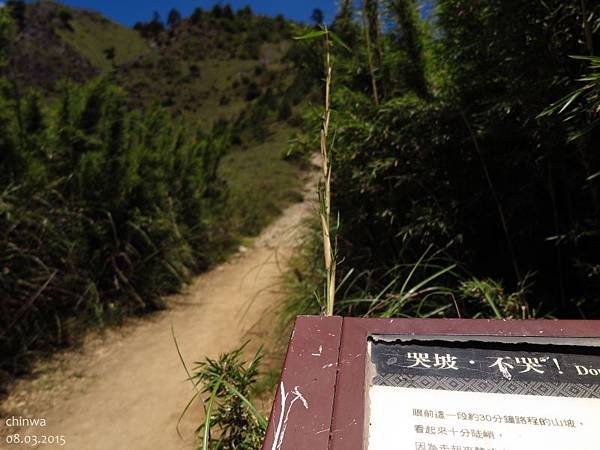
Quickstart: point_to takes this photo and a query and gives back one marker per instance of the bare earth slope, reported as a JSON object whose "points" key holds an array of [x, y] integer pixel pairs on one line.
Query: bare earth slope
{"points": [[127, 390]]}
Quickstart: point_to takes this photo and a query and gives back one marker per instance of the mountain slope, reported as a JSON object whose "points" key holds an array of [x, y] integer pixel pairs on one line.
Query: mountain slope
{"points": [[212, 64], [93, 36], [54, 42], [207, 67]]}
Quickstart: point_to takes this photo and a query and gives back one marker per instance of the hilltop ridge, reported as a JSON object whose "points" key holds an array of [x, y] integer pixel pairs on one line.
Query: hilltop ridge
{"points": [[207, 66]]}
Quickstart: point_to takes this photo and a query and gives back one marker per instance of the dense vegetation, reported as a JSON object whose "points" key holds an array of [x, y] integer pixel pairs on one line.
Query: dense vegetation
{"points": [[103, 211], [462, 186], [125, 170]]}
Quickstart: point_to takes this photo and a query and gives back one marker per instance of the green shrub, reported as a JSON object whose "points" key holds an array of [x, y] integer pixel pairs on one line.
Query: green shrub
{"points": [[250, 49], [114, 210], [232, 421]]}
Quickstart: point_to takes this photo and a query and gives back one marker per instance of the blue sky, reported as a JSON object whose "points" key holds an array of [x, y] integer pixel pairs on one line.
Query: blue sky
{"points": [[128, 12]]}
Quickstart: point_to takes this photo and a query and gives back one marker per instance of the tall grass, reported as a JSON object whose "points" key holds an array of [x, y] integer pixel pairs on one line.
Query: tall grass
{"points": [[102, 211], [228, 382], [329, 251], [329, 246], [432, 286]]}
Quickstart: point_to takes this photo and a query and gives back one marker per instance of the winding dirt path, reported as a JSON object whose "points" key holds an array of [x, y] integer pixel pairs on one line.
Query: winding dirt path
{"points": [[127, 389]]}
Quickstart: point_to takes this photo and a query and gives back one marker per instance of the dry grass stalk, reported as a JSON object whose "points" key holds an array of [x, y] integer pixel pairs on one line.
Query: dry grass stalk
{"points": [[325, 191]]}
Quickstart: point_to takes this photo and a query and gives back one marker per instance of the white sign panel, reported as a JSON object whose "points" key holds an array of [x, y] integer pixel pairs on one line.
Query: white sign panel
{"points": [[422, 419], [483, 396]]}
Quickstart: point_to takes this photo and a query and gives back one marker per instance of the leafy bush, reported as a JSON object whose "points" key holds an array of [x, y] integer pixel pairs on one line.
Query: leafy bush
{"points": [[250, 49]]}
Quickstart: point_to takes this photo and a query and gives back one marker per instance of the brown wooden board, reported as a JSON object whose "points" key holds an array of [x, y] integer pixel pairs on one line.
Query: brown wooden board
{"points": [[329, 412], [303, 407]]}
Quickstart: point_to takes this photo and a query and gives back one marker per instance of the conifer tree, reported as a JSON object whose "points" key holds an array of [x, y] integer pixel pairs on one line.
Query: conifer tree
{"points": [[217, 11], [245, 12], [17, 9], [173, 19], [317, 17], [228, 12]]}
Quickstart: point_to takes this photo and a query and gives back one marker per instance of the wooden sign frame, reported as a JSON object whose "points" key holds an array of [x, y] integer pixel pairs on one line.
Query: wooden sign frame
{"points": [[321, 396]]}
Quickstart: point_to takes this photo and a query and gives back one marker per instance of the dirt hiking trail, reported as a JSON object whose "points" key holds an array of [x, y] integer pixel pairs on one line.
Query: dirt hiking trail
{"points": [[126, 389]]}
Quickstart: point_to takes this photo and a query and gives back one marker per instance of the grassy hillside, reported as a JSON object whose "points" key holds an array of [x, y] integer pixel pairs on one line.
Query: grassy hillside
{"points": [[40, 56], [211, 66], [207, 67], [275, 183], [93, 36]]}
